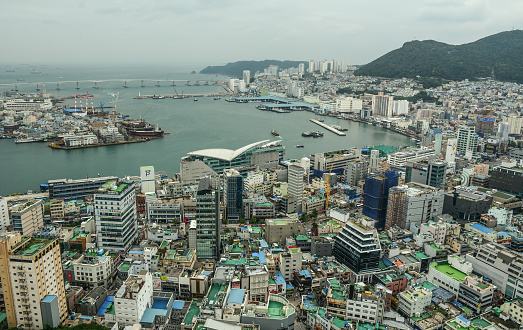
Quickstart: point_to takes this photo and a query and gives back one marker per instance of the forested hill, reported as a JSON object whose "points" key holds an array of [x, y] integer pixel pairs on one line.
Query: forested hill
{"points": [[498, 56], [235, 69]]}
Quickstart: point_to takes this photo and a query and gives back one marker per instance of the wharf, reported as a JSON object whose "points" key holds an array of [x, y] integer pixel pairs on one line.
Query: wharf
{"points": [[174, 96], [327, 127], [62, 147]]}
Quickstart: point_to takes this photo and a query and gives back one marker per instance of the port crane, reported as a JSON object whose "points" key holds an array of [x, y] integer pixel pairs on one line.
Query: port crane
{"points": [[328, 189], [146, 112], [102, 104]]}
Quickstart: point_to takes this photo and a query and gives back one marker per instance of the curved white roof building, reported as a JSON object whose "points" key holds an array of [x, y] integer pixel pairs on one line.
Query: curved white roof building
{"points": [[200, 163]]}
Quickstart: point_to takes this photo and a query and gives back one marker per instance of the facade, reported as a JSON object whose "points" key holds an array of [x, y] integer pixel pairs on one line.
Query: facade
{"points": [[357, 246], [27, 217], [431, 173], [201, 163], [356, 171], [466, 203], [509, 179], [401, 158], [413, 204], [232, 195], [376, 195], [23, 269], [414, 301], [467, 140], [382, 105], [338, 159], [208, 243], [277, 230], [4, 215], [295, 186], [133, 298], [449, 274], [94, 270], [147, 179], [258, 279], [164, 212], [290, 262], [76, 189], [321, 246], [115, 216], [476, 294]]}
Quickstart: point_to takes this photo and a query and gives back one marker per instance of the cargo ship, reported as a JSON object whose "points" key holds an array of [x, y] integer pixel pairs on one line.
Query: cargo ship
{"points": [[147, 130]]}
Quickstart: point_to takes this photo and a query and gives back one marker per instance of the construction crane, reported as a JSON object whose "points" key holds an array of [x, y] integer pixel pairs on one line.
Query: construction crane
{"points": [[101, 104], [146, 112], [328, 188]]}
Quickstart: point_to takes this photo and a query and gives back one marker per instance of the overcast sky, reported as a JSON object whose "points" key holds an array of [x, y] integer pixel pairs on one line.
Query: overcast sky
{"points": [[220, 31]]}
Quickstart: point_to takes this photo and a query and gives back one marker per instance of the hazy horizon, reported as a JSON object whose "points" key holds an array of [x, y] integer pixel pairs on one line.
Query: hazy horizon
{"points": [[202, 32]]}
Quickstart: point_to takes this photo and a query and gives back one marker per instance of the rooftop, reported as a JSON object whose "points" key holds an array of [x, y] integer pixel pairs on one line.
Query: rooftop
{"points": [[448, 270], [33, 247], [193, 311], [225, 154]]}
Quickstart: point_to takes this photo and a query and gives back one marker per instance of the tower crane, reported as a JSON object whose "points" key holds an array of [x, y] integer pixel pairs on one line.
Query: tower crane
{"points": [[328, 188], [116, 102], [101, 104]]}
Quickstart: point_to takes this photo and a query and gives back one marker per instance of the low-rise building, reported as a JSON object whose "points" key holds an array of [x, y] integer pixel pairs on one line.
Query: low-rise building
{"points": [[133, 298], [413, 301]]}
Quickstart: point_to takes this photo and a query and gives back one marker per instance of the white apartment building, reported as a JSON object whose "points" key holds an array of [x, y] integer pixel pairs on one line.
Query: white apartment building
{"points": [[449, 275], [515, 123], [93, 270], [467, 140], [345, 104], [437, 229], [401, 158], [133, 298], [258, 282], [27, 217], [115, 216], [290, 262], [4, 214], [400, 107], [382, 105], [252, 180], [413, 301], [28, 105]]}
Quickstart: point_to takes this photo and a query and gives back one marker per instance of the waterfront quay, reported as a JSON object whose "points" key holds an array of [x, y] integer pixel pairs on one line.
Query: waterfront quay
{"points": [[327, 127]]}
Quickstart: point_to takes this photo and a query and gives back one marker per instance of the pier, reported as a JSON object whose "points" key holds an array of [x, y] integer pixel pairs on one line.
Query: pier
{"points": [[327, 127], [179, 96]]}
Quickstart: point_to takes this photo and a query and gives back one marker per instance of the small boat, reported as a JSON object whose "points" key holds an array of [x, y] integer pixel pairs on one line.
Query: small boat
{"points": [[306, 134], [299, 146], [195, 99], [217, 98], [273, 132]]}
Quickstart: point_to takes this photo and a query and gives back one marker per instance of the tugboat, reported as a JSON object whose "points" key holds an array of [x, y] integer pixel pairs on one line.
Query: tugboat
{"points": [[274, 133], [306, 134]]}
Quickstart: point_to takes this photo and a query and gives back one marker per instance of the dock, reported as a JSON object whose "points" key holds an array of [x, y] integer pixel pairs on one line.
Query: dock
{"points": [[179, 96], [327, 127]]}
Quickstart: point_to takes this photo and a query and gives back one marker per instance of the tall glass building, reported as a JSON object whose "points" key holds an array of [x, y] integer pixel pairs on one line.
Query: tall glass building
{"points": [[376, 195], [208, 244]]}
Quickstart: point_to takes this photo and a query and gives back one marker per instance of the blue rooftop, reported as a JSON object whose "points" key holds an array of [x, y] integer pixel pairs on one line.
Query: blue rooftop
{"points": [[160, 304], [136, 252], [481, 228], [263, 244], [263, 260], [289, 286], [305, 273], [150, 314], [279, 278], [178, 304], [48, 298], [462, 319], [236, 296]]}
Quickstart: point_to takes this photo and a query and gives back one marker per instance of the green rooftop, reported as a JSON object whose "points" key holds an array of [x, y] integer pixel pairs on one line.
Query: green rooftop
{"points": [[124, 267], [275, 310], [427, 285], [421, 255], [193, 311], [448, 270], [34, 246], [337, 294], [230, 262]]}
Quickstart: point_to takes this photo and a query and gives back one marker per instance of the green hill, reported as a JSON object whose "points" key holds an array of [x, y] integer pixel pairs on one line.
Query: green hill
{"points": [[497, 56], [235, 69]]}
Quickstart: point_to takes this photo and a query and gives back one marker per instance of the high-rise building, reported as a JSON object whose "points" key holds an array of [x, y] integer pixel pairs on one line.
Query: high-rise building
{"points": [[301, 68], [208, 243], [247, 77], [147, 179], [4, 214], [450, 154], [374, 161], [382, 105], [76, 189], [400, 107], [515, 123], [27, 216], [115, 216], [32, 282], [356, 171], [232, 195], [358, 247], [295, 185], [503, 131], [376, 195], [133, 298], [431, 173], [467, 140], [438, 139], [311, 67], [413, 204]]}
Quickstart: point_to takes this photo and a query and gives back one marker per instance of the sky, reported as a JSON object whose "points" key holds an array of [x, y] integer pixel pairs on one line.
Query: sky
{"points": [[215, 32]]}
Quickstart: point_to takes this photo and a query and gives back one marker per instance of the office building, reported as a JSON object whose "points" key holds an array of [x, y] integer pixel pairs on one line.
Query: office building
{"points": [[208, 243], [467, 140], [147, 179], [358, 247], [374, 161], [247, 77], [413, 301], [32, 282], [257, 282], [376, 195], [277, 230], [295, 187], [438, 140], [515, 123], [164, 211], [450, 154], [335, 160], [27, 216], [116, 216], [356, 171], [413, 204], [466, 203], [75, 189], [507, 177], [290, 262], [431, 173], [382, 105], [401, 158], [503, 131], [476, 294], [449, 274], [232, 195]]}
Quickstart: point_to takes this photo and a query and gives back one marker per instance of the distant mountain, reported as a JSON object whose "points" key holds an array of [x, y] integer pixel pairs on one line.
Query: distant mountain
{"points": [[235, 69], [498, 56]]}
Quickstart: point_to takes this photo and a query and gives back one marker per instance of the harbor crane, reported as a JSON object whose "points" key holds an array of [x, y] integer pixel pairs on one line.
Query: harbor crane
{"points": [[102, 104], [146, 112], [328, 189]]}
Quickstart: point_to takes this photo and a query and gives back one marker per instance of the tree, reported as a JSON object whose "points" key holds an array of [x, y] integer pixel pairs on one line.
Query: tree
{"points": [[351, 205], [303, 217], [314, 229], [224, 221], [314, 213], [242, 221]]}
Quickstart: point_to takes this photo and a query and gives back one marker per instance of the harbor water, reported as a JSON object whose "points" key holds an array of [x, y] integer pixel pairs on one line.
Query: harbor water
{"points": [[207, 123]]}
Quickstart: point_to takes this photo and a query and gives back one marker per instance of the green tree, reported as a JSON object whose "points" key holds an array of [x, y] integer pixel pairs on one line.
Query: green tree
{"points": [[314, 213], [224, 221], [242, 221]]}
